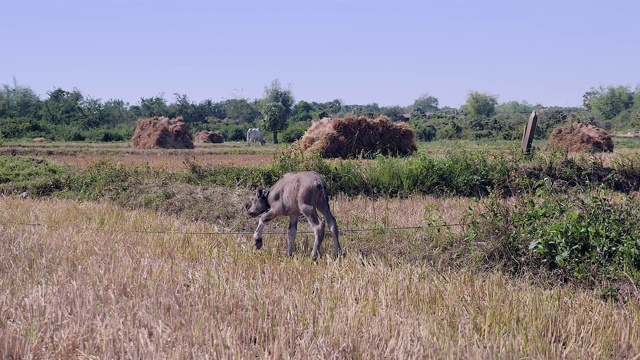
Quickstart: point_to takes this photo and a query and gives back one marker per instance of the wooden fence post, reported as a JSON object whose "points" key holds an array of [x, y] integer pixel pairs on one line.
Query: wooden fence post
{"points": [[529, 131]]}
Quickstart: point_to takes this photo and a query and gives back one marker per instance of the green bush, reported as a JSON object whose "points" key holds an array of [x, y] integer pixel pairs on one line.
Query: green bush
{"points": [[232, 132], [294, 132], [21, 127], [25, 173], [584, 234], [588, 235], [423, 130]]}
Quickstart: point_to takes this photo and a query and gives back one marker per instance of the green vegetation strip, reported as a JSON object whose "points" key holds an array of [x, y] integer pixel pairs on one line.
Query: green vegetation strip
{"points": [[567, 217]]}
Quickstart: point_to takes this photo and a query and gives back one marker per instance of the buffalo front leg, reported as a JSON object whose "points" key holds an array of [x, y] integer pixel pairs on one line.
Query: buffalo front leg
{"points": [[291, 233], [257, 235]]}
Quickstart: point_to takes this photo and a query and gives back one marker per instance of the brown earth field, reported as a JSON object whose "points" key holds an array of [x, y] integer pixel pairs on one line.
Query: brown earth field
{"points": [[83, 155]]}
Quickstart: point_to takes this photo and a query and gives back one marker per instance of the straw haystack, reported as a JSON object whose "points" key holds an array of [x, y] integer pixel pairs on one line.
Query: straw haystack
{"points": [[353, 136], [162, 132], [578, 137], [207, 136]]}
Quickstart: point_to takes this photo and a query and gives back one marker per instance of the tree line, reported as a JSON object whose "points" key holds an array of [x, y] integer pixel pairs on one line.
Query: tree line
{"points": [[69, 115]]}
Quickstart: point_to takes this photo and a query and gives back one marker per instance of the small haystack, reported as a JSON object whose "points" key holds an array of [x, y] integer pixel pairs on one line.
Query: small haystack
{"points": [[353, 136], [38, 139], [207, 136], [162, 132], [578, 137]]}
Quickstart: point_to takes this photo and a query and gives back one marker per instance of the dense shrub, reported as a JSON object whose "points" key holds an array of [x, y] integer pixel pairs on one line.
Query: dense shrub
{"points": [[232, 132], [24, 173], [588, 236], [15, 128], [294, 132], [424, 131]]}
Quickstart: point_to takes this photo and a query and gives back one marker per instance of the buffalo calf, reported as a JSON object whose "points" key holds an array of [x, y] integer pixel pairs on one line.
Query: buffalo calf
{"points": [[292, 195]]}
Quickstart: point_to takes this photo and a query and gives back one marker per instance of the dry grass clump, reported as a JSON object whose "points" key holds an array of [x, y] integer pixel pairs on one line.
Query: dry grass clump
{"points": [[353, 136], [578, 137], [162, 132], [88, 283], [208, 136]]}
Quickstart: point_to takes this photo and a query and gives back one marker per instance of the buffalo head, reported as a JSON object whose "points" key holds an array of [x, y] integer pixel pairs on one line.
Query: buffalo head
{"points": [[258, 202]]}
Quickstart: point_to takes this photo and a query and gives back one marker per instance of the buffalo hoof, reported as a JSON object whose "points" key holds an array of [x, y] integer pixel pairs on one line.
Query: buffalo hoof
{"points": [[258, 242]]}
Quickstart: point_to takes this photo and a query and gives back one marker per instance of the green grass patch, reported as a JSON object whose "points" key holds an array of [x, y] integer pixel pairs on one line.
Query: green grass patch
{"points": [[25, 173]]}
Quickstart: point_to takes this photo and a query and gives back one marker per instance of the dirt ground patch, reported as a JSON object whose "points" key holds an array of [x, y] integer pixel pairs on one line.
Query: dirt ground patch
{"points": [[166, 162], [83, 155]]}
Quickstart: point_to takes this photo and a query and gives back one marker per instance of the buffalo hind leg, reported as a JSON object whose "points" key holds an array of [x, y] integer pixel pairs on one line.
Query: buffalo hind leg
{"points": [[310, 213], [333, 228]]}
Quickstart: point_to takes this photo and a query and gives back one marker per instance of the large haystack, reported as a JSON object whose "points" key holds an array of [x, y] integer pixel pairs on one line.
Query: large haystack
{"points": [[578, 137], [162, 132], [207, 136], [353, 136]]}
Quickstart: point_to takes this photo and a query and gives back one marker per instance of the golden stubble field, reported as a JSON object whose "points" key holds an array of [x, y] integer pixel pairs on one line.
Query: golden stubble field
{"points": [[93, 280], [85, 280]]}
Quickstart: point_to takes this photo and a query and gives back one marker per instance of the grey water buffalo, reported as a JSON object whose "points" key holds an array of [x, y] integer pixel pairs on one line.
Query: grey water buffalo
{"points": [[292, 195], [254, 136]]}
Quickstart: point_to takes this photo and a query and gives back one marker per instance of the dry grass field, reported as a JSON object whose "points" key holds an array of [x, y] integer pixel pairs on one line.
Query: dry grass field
{"points": [[91, 280]]}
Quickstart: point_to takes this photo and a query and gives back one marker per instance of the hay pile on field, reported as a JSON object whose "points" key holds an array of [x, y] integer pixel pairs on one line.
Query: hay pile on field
{"points": [[578, 137], [162, 132], [39, 139], [207, 136], [353, 136]]}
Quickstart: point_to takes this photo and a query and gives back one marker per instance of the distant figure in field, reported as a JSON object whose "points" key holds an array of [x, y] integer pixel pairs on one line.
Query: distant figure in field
{"points": [[254, 137]]}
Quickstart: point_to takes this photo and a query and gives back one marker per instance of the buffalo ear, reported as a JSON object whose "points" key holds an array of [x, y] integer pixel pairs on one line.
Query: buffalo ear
{"points": [[264, 193]]}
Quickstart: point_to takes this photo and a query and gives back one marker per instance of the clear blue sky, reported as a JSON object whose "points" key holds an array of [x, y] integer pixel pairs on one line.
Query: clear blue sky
{"points": [[387, 52]]}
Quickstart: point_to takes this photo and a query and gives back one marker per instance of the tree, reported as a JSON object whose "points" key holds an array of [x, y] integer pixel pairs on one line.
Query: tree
{"points": [[200, 112], [18, 101], [118, 112], [511, 108], [334, 107], [424, 104], [393, 112], [63, 107], [213, 109], [276, 108], [549, 120], [182, 107], [241, 109], [480, 104], [610, 101], [94, 112], [155, 106], [273, 118], [371, 110], [301, 111]]}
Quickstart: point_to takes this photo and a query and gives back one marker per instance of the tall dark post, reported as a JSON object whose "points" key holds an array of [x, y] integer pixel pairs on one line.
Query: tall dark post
{"points": [[529, 131]]}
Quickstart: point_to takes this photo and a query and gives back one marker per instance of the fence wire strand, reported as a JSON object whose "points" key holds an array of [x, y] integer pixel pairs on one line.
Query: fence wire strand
{"points": [[222, 233]]}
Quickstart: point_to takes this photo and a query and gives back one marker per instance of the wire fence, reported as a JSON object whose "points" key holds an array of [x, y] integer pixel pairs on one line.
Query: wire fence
{"points": [[223, 233]]}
